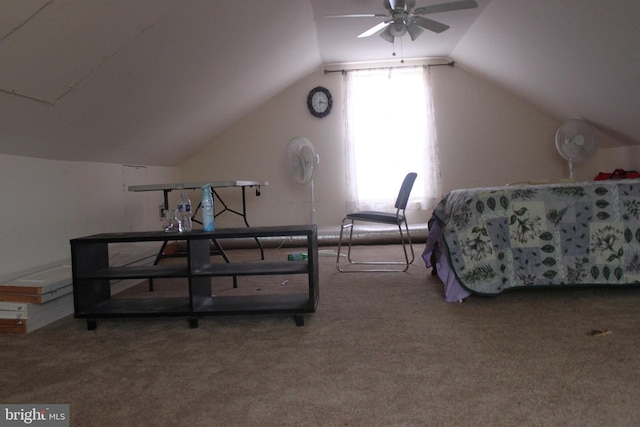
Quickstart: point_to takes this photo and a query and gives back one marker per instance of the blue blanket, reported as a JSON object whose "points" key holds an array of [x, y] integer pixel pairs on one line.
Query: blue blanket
{"points": [[543, 235]]}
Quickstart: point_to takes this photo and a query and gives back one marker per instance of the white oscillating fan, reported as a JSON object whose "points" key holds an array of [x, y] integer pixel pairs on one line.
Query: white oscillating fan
{"points": [[576, 143], [302, 163]]}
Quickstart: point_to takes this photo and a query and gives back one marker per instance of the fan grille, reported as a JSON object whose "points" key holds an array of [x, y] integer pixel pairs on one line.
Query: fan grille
{"points": [[302, 160], [575, 141]]}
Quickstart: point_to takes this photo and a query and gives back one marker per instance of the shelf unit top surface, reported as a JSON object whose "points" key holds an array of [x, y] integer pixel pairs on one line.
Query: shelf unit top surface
{"points": [[220, 233]]}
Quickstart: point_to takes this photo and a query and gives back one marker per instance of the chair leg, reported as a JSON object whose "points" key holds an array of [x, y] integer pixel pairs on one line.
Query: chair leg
{"points": [[404, 248], [342, 227], [413, 256], [405, 240]]}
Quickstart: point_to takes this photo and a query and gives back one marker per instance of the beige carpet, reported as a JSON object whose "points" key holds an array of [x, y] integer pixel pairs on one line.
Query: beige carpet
{"points": [[381, 350]]}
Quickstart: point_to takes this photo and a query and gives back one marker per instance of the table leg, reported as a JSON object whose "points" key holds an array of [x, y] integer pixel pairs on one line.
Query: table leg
{"points": [[225, 208], [244, 216]]}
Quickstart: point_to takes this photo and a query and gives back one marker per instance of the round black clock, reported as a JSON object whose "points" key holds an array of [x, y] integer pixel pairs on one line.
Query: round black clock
{"points": [[319, 101]]}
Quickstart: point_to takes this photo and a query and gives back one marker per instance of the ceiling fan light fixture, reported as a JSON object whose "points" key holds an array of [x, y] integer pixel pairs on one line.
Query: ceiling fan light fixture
{"points": [[386, 35], [397, 28], [414, 31]]}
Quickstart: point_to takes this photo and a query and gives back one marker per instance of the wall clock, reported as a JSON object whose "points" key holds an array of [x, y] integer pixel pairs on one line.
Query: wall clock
{"points": [[319, 101]]}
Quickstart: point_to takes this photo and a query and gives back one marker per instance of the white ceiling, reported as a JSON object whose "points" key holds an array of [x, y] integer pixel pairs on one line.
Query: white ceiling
{"points": [[151, 81]]}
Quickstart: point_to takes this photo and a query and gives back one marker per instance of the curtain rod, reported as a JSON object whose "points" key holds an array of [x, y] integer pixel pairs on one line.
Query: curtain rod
{"points": [[343, 71]]}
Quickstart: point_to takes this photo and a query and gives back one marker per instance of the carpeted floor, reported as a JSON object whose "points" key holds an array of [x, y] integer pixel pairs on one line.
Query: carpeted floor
{"points": [[383, 349]]}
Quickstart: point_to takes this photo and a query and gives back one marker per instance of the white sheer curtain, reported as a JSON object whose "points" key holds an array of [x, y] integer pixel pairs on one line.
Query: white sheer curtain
{"points": [[390, 132]]}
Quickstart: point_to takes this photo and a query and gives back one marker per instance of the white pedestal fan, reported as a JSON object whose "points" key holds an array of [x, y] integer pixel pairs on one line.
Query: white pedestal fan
{"points": [[302, 164], [576, 143]]}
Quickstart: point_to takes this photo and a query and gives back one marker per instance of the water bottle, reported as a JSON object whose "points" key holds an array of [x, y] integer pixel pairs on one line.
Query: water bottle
{"points": [[184, 213], [208, 215], [170, 221], [297, 256]]}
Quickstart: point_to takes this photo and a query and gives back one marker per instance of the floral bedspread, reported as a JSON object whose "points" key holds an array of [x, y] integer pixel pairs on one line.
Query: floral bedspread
{"points": [[543, 235]]}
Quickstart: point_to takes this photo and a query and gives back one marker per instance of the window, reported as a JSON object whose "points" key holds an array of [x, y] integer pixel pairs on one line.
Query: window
{"points": [[390, 132]]}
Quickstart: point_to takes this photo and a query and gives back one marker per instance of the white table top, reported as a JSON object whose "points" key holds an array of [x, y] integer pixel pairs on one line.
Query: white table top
{"points": [[196, 185]]}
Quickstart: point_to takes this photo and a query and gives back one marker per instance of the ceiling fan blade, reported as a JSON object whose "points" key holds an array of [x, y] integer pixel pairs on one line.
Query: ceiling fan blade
{"points": [[429, 24], [414, 31], [374, 30], [446, 7], [359, 15]]}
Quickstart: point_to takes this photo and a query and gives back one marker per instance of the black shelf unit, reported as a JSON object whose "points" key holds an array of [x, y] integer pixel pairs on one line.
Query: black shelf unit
{"points": [[92, 276]]}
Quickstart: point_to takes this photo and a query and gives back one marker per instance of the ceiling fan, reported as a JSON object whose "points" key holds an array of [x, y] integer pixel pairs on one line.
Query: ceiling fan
{"points": [[402, 18]]}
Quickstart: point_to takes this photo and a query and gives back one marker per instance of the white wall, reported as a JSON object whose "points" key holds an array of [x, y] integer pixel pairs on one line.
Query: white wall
{"points": [[487, 136], [254, 149], [48, 202]]}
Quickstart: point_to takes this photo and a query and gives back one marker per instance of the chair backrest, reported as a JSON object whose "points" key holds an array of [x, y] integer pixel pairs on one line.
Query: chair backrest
{"points": [[405, 190]]}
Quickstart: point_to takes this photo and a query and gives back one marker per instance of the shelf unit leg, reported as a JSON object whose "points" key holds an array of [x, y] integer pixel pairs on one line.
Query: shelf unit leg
{"points": [[193, 323], [92, 325], [299, 319]]}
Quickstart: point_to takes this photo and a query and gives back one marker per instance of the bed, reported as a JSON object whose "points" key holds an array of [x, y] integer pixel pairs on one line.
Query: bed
{"points": [[485, 241]]}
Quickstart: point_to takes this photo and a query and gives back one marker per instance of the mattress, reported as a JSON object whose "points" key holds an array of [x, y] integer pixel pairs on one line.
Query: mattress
{"points": [[488, 240]]}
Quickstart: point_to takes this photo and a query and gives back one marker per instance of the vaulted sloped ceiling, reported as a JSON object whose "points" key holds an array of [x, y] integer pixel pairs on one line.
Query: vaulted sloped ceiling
{"points": [[575, 58], [152, 81], [142, 81]]}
